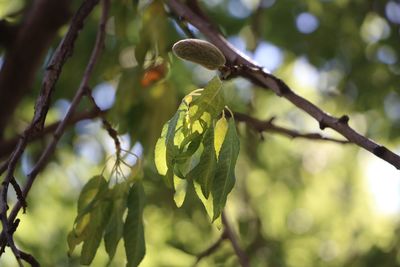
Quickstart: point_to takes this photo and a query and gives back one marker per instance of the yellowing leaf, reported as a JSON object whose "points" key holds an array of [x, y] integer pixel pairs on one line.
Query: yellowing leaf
{"points": [[207, 203], [180, 190], [160, 153], [221, 127]]}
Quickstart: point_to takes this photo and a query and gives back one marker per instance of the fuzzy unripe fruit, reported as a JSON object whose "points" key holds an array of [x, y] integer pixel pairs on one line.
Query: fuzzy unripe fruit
{"points": [[200, 52]]}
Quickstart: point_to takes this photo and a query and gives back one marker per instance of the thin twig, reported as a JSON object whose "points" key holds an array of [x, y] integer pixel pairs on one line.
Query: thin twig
{"points": [[30, 259], [45, 156], [211, 249], [243, 259], [63, 51], [7, 146], [252, 71], [269, 126], [113, 133], [23, 58], [10, 240]]}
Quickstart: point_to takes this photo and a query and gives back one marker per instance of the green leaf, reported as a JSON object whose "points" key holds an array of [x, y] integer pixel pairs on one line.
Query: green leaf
{"points": [[160, 152], [73, 240], [99, 218], [180, 190], [211, 100], [194, 141], [166, 151], [133, 229], [225, 173], [171, 149], [204, 172], [91, 192], [114, 229]]}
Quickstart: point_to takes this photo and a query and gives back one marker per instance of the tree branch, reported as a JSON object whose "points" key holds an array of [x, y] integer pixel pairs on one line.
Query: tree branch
{"points": [[40, 164], [211, 249], [45, 156], [7, 146], [269, 126], [27, 51], [243, 259], [252, 71]]}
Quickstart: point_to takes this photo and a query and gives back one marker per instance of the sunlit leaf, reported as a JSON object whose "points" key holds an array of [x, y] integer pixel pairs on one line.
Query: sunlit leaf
{"points": [[207, 203], [166, 151], [160, 153], [204, 172], [180, 191], [221, 127], [225, 173], [210, 100], [133, 229]]}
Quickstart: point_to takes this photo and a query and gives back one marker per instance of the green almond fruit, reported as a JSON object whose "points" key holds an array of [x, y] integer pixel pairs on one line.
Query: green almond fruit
{"points": [[200, 52]]}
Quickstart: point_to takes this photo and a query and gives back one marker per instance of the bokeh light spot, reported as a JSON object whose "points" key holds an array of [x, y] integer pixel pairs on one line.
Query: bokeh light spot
{"points": [[386, 54], [374, 28], [268, 56], [237, 9], [306, 23], [104, 95], [393, 11]]}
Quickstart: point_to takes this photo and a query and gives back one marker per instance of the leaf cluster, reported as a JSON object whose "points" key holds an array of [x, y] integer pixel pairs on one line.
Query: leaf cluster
{"points": [[196, 145], [111, 214]]}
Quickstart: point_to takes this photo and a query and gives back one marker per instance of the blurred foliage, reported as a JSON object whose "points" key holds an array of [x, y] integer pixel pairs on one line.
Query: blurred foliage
{"points": [[295, 202]]}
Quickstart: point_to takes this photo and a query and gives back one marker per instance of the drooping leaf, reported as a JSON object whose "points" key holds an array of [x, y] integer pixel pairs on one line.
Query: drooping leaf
{"points": [[166, 150], [91, 192], [225, 174], [114, 229], [160, 152], [180, 191], [169, 140], [204, 172], [185, 167], [98, 221], [208, 205], [221, 127], [133, 229]]}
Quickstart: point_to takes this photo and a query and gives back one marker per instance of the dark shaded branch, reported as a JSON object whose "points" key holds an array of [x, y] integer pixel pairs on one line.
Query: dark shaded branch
{"points": [[53, 70], [29, 259], [250, 70], [243, 259], [269, 126], [7, 146], [8, 33], [211, 249], [27, 52], [45, 156]]}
